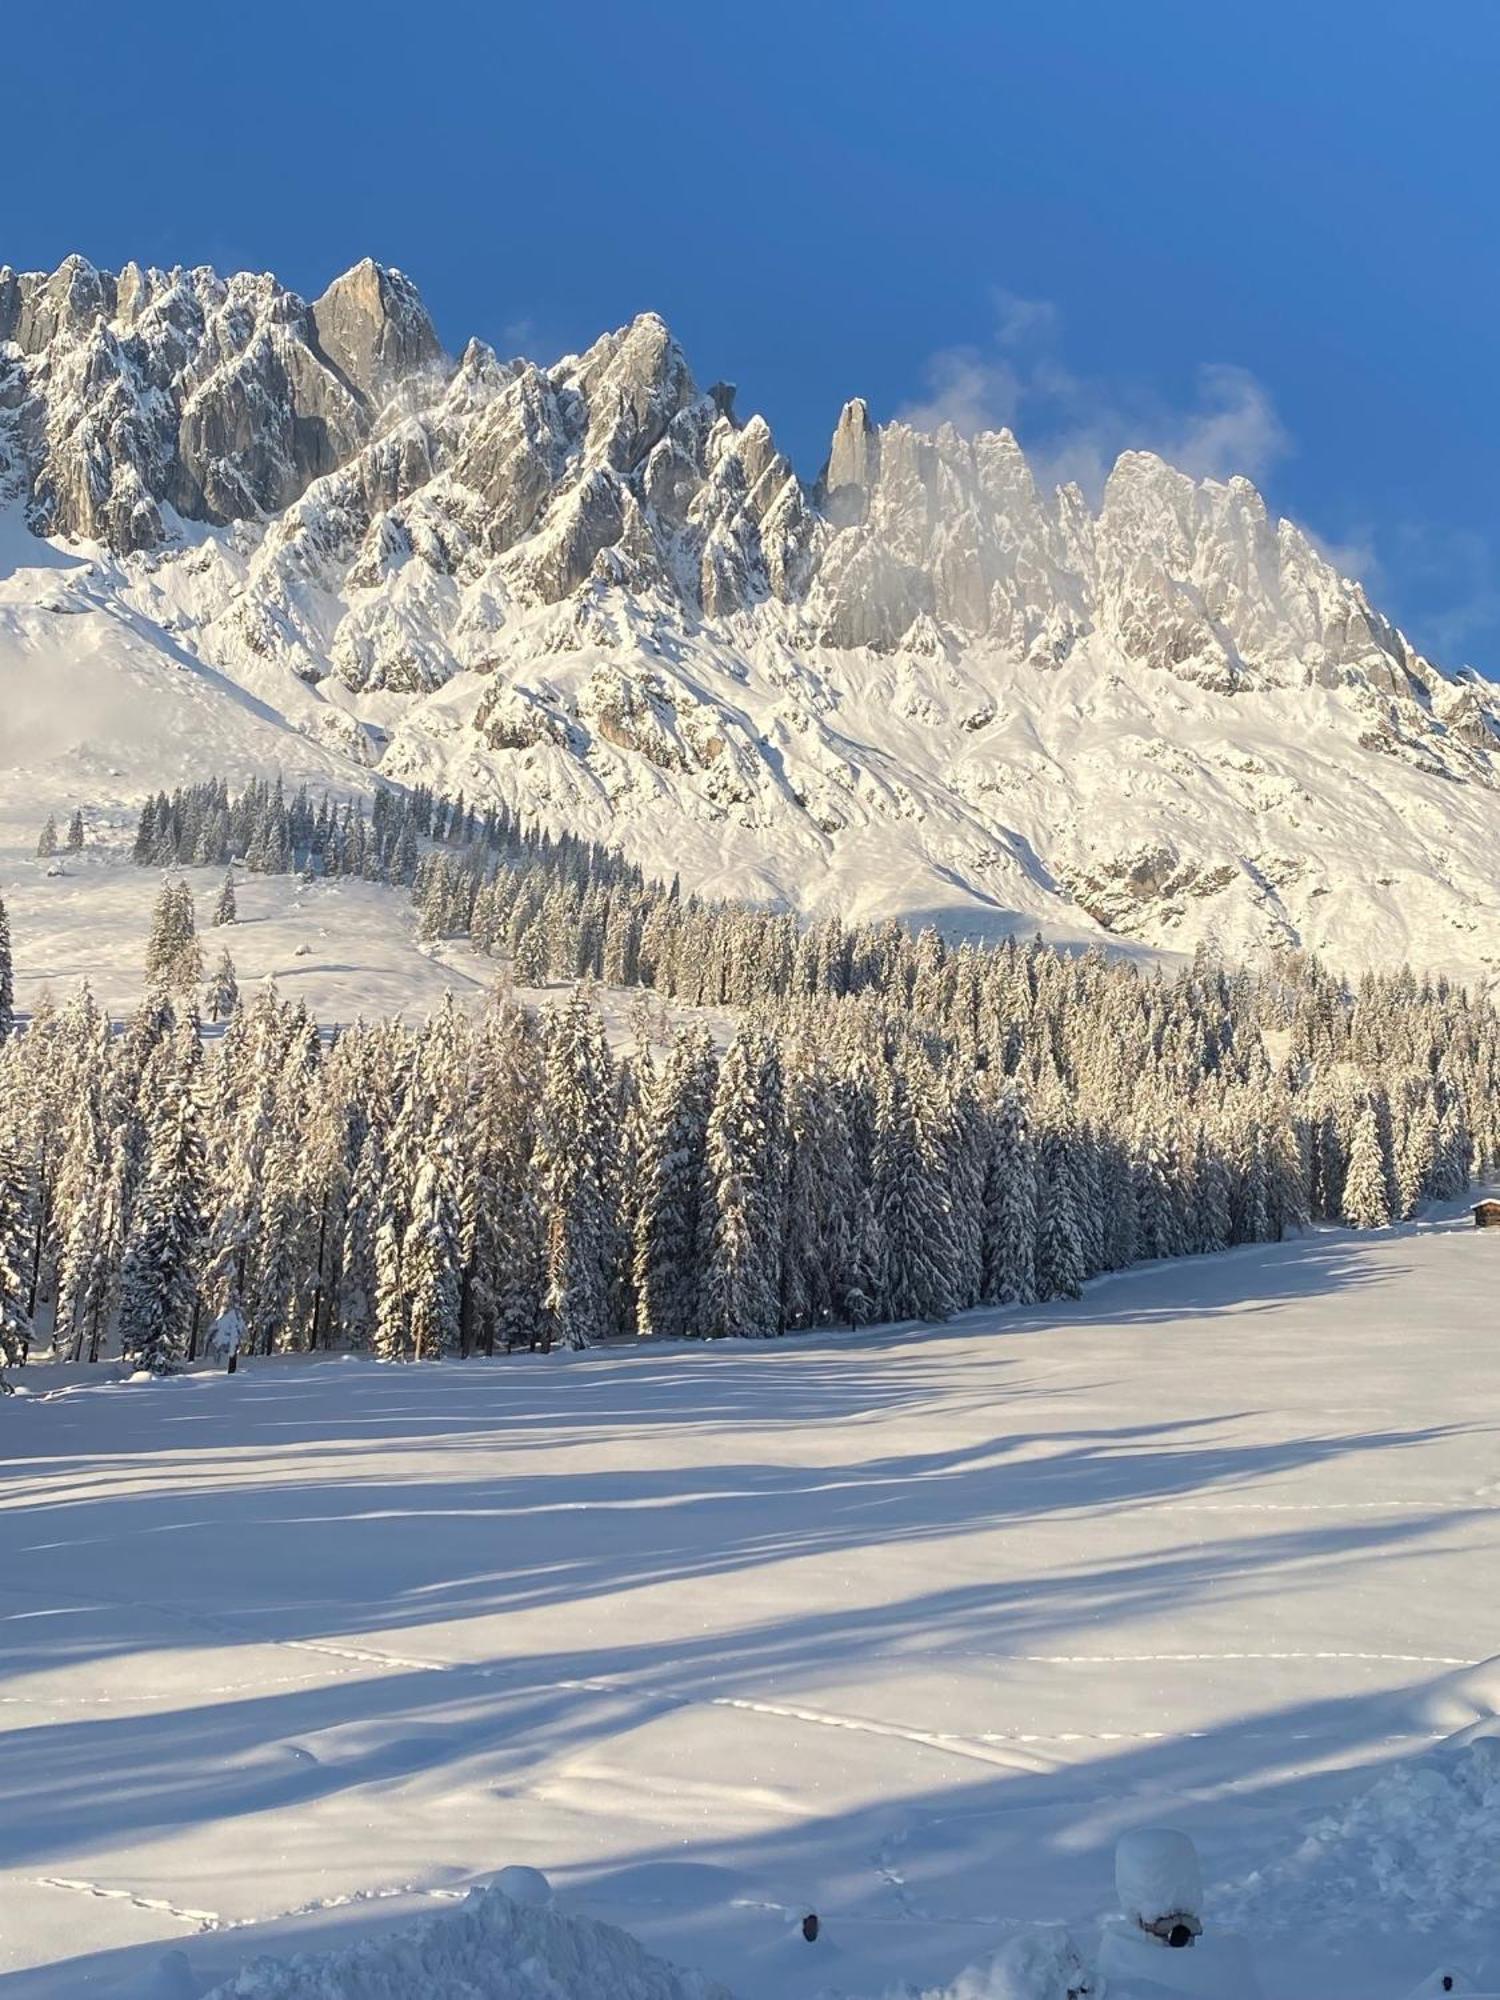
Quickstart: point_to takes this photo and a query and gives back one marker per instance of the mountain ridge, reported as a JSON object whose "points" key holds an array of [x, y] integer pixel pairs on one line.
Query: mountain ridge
{"points": [[917, 685]]}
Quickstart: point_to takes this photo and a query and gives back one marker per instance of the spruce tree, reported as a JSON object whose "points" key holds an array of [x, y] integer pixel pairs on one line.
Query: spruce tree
{"points": [[159, 1280], [1059, 1255], [742, 1288], [499, 1214], [75, 832], [1366, 1200], [1010, 1207], [46, 845], [431, 1257], [912, 1203], [173, 961], [226, 910], [669, 1224], [15, 1317], [360, 1252], [221, 994], [574, 1171]]}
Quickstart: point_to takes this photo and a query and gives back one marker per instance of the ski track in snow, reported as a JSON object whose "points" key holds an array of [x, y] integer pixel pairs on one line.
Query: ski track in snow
{"points": [[199, 1919], [211, 1920]]}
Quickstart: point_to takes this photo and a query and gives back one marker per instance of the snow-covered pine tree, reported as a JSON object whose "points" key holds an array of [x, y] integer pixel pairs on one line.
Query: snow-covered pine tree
{"points": [[46, 845], [187, 966], [500, 1218], [226, 909], [1366, 1199], [431, 1257], [808, 1236], [75, 832], [90, 1224], [240, 1130], [1286, 1172], [1419, 1155], [51, 1064], [1211, 1219], [634, 1078], [742, 1280], [281, 1266], [15, 1319], [573, 1164], [965, 1141], [1010, 1204], [669, 1223], [911, 1198], [1059, 1252], [359, 1258], [159, 1280], [172, 962], [856, 1258], [1160, 1224], [221, 992]]}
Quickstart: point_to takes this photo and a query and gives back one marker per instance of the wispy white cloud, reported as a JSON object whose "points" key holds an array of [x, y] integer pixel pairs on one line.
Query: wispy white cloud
{"points": [[971, 391], [1074, 426], [984, 388], [1233, 427], [1351, 554]]}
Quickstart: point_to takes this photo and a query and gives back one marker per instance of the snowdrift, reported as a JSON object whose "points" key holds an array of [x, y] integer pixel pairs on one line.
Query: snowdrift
{"points": [[489, 1948], [1416, 1851]]}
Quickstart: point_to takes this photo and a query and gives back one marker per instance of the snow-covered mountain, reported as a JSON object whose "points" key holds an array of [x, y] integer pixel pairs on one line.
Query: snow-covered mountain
{"points": [[300, 534]]}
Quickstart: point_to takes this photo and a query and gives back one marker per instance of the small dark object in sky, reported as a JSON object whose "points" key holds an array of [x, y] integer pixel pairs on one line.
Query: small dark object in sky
{"points": [[811, 1927]]}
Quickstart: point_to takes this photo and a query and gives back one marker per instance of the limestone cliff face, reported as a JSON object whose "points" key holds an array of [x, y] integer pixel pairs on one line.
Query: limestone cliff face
{"points": [[222, 399], [226, 399]]}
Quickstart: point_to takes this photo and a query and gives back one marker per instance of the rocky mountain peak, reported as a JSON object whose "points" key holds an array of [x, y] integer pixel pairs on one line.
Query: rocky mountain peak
{"points": [[853, 464], [591, 588], [372, 325]]}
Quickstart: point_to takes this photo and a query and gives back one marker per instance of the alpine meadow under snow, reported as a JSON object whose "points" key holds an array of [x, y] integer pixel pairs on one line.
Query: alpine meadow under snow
{"points": [[495, 870]]}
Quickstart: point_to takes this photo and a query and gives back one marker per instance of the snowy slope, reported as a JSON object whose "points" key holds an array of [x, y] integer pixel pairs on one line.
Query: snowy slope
{"points": [[919, 685], [908, 1627]]}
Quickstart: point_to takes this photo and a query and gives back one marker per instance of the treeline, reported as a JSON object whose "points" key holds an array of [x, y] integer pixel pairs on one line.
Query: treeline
{"points": [[272, 833], [896, 1129]]}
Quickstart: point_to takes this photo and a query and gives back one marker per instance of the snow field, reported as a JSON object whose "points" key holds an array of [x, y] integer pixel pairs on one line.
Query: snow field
{"points": [[907, 1627], [344, 948]]}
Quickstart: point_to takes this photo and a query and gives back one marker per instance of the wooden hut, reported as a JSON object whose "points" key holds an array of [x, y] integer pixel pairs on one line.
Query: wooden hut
{"points": [[1487, 1215]]}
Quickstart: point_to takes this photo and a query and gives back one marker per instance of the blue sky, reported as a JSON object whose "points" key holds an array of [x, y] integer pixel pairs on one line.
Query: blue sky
{"points": [[1261, 237]]}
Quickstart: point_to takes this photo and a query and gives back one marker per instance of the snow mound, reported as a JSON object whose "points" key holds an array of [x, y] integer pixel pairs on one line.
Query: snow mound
{"points": [[1156, 1875], [489, 1948], [1039, 1964], [524, 1885], [1419, 1850]]}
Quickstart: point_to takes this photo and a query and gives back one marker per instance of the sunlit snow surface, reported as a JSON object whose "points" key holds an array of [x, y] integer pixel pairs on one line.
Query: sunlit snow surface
{"points": [[343, 948], [905, 1627]]}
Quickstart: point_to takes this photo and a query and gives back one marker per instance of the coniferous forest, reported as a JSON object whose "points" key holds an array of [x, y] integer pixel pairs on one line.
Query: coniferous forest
{"points": [[897, 1128]]}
